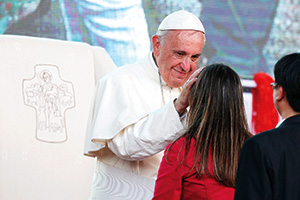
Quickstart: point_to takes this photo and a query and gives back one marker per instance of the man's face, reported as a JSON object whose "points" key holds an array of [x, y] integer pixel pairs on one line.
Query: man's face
{"points": [[178, 55], [275, 97]]}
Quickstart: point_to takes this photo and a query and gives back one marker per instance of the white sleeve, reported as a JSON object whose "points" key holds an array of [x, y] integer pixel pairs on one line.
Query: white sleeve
{"points": [[149, 135]]}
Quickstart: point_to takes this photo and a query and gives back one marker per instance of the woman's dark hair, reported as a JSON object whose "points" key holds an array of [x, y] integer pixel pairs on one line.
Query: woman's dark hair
{"points": [[287, 75], [217, 122]]}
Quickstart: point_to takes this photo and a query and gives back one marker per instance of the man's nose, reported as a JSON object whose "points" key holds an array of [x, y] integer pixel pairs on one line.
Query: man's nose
{"points": [[186, 64]]}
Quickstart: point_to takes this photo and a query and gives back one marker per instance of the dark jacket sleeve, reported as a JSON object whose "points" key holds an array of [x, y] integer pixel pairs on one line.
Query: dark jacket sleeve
{"points": [[253, 176]]}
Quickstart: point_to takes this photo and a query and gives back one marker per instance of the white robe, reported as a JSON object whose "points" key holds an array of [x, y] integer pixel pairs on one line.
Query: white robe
{"points": [[128, 129]]}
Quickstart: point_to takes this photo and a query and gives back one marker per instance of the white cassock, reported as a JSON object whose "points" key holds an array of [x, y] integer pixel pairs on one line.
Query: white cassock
{"points": [[129, 126]]}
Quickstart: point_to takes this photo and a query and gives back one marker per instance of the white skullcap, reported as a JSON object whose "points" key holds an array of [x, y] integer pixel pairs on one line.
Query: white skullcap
{"points": [[181, 20]]}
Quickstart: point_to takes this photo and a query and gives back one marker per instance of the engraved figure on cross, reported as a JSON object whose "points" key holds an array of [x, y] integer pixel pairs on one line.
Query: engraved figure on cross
{"points": [[50, 96]]}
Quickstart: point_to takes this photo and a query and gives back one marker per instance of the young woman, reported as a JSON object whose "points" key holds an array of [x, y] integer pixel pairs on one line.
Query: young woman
{"points": [[202, 164]]}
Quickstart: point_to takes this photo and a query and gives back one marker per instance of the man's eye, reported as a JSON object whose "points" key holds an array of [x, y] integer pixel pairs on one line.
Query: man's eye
{"points": [[194, 58]]}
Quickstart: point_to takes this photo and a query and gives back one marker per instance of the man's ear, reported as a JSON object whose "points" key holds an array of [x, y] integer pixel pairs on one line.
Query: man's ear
{"points": [[280, 94], [156, 44]]}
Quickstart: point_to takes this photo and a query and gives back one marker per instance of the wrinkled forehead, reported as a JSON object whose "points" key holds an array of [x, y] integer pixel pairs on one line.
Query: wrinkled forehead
{"points": [[184, 35], [186, 40]]}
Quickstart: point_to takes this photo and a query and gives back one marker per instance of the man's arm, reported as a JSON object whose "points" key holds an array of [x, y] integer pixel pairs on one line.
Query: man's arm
{"points": [[155, 131], [149, 135], [253, 181]]}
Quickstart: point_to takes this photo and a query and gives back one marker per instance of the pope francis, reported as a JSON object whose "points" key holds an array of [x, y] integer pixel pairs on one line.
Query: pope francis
{"points": [[138, 109]]}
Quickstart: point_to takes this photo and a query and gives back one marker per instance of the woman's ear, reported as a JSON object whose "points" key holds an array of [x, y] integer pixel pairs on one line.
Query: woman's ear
{"points": [[156, 44]]}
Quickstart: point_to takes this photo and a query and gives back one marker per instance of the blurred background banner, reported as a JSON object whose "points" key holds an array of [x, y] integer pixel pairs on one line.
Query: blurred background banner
{"points": [[248, 35]]}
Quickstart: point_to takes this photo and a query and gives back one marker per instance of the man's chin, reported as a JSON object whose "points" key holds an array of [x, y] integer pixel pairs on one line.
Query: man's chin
{"points": [[176, 84]]}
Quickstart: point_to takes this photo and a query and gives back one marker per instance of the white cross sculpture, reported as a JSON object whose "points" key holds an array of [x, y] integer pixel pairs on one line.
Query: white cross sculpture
{"points": [[50, 96]]}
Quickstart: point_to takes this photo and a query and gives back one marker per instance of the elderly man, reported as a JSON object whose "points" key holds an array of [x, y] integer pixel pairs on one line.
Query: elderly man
{"points": [[269, 162], [139, 109]]}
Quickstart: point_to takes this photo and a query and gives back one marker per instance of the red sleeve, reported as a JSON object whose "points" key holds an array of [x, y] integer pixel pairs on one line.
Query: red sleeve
{"points": [[168, 184]]}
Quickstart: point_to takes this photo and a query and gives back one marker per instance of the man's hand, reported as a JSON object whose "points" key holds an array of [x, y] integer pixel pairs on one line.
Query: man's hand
{"points": [[182, 102]]}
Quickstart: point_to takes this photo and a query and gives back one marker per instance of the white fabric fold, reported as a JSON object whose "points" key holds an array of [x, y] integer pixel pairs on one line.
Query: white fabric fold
{"points": [[127, 113]]}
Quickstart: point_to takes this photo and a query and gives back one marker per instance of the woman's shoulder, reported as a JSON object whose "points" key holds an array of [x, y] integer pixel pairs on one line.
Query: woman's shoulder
{"points": [[178, 150], [181, 143]]}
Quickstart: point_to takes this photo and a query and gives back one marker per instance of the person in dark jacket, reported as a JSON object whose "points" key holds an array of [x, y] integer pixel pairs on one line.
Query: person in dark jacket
{"points": [[270, 161]]}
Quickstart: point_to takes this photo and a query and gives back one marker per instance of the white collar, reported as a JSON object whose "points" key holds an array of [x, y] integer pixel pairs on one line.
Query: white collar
{"points": [[154, 65]]}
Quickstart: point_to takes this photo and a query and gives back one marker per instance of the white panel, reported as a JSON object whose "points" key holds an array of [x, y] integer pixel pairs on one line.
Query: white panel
{"points": [[46, 89]]}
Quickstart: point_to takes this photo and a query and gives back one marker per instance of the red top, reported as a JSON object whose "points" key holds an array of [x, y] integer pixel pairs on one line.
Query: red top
{"points": [[176, 181]]}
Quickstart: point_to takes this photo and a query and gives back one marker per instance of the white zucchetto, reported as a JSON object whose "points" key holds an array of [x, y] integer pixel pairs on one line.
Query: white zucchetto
{"points": [[181, 20]]}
